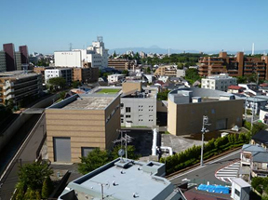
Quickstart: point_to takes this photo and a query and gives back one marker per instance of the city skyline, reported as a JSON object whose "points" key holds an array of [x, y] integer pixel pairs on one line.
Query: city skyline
{"points": [[186, 26]]}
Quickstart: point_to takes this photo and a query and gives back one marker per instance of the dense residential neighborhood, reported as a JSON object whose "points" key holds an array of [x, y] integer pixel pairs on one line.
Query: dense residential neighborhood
{"points": [[91, 108]]}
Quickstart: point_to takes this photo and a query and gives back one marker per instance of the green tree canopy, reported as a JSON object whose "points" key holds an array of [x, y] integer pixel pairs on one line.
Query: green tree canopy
{"points": [[57, 82], [33, 175], [93, 160], [192, 75]]}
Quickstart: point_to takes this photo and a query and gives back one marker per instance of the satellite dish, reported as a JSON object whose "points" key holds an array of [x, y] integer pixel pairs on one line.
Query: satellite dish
{"points": [[121, 152]]}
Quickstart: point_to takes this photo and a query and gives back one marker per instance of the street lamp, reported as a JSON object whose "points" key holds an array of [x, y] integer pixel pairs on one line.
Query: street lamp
{"points": [[204, 130]]}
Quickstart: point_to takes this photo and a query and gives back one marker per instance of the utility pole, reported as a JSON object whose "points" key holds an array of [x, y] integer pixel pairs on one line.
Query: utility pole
{"points": [[204, 130]]}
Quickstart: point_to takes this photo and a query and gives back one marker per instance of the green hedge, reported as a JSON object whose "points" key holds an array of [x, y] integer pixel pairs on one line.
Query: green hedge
{"points": [[213, 147]]}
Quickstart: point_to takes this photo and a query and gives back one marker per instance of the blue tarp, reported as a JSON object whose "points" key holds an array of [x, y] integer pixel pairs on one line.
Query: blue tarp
{"points": [[214, 188]]}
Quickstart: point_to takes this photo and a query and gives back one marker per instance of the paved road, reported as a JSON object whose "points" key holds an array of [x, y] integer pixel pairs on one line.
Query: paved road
{"points": [[206, 172], [25, 154], [228, 172]]}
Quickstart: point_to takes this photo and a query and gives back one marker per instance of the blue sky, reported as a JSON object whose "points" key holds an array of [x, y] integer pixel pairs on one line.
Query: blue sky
{"points": [[46, 26]]}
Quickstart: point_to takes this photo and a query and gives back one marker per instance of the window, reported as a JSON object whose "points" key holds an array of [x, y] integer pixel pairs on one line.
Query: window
{"points": [[122, 105], [128, 116], [128, 109], [122, 120], [237, 192]]}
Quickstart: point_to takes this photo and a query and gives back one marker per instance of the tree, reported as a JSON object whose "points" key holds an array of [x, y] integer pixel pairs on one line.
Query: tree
{"points": [[47, 188], [192, 75], [241, 79], [32, 175], [148, 70], [93, 160], [125, 72], [163, 95], [57, 82], [76, 84]]}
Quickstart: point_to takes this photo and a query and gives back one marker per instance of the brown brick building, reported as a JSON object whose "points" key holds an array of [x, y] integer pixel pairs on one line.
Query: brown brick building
{"points": [[234, 66], [120, 64], [88, 75]]}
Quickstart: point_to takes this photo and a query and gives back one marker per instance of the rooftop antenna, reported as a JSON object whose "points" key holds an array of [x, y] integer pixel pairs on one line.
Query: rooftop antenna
{"points": [[124, 140], [100, 39], [252, 52], [71, 46]]}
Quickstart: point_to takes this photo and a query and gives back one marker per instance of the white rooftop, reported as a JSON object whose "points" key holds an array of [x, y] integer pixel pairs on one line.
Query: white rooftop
{"points": [[240, 182]]}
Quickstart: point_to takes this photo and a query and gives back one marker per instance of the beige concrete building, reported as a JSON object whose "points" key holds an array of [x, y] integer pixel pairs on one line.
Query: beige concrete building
{"points": [[166, 71], [186, 108], [78, 124], [18, 86]]}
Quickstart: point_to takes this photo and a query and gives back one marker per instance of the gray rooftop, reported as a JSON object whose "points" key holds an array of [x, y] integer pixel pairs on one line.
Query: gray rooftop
{"points": [[253, 148], [123, 180], [16, 74], [261, 157], [240, 182]]}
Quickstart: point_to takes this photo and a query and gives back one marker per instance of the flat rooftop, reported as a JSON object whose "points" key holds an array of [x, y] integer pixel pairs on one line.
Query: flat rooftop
{"points": [[89, 103], [123, 180], [16, 74]]}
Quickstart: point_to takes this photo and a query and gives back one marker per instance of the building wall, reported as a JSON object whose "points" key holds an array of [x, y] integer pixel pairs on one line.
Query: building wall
{"points": [[86, 128], [142, 111], [130, 86], [24, 54], [68, 58], [119, 64], [18, 60], [187, 118], [53, 73], [218, 83], [10, 56], [2, 61]]}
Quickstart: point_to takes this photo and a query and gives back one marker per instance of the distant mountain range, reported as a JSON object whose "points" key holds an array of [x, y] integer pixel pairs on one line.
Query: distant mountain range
{"points": [[156, 49]]}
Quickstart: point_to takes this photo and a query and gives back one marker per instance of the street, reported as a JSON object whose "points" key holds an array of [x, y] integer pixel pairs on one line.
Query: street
{"points": [[206, 172]]}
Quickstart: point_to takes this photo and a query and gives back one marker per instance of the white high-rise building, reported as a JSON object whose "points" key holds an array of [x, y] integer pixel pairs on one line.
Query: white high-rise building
{"points": [[96, 55]]}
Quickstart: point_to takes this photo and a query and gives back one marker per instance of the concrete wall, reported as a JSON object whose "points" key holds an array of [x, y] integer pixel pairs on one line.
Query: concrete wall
{"points": [[130, 86], [86, 128], [9, 133], [68, 59], [13, 128], [187, 118], [143, 111]]}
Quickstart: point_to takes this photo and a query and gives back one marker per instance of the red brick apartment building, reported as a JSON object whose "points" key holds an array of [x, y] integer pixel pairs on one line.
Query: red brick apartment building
{"points": [[238, 65]]}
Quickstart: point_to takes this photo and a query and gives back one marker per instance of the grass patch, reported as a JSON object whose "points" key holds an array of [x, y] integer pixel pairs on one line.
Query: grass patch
{"points": [[108, 91]]}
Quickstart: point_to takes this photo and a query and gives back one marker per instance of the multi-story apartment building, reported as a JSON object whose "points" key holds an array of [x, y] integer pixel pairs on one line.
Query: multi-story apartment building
{"points": [[120, 64], [187, 106], [218, 82], [66, 73], [138, 105], [17, 86], [166, 71], [234, 66], [79, 124], [85, 75], [96, 55], [3, 66]]}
